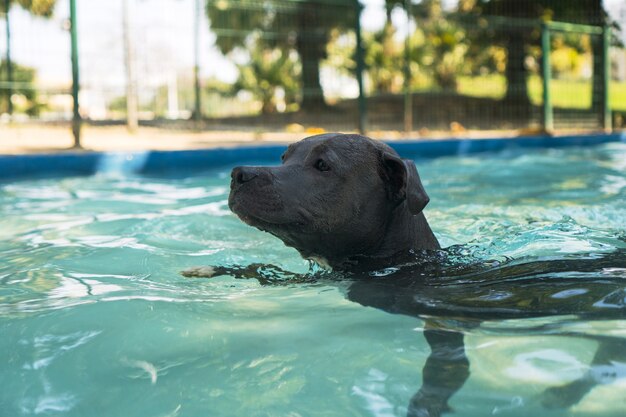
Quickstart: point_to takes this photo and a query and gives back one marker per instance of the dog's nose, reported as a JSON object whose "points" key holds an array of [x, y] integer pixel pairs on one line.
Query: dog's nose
{"points": [[242, 175]]}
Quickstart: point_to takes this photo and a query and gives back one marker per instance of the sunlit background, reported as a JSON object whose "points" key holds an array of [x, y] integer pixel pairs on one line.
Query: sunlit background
{"points": [[426, 66]]}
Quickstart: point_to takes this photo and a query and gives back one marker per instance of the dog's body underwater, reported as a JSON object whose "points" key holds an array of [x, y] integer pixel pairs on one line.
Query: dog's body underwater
{"points": [[352, 204]]}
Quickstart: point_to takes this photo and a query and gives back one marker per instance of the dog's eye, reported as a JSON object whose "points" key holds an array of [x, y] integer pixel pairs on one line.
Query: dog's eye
{"points": [[321, 165]]}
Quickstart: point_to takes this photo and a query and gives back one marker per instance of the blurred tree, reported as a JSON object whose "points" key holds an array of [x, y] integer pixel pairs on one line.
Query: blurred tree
{"points": [[444, 47], [445, 44], [517, 39], [303, 26], [11, 72], [437, 50], [271, 76], [23, 78], [428, 9], [43, 8], [571, 52], [384, 59]]}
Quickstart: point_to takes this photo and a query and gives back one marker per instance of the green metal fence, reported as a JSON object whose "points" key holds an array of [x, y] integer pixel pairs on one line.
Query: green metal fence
{"points": [[412, 67]]}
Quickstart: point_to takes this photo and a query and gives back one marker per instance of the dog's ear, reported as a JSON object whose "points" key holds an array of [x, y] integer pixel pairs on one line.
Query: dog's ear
{"points": [[403, 182]]}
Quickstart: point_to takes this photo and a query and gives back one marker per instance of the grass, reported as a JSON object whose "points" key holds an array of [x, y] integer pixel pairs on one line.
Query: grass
{"points": [[572, 94]]}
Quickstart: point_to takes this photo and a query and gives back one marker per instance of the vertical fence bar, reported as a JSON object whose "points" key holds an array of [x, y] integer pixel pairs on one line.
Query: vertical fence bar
{"points": [[548, 114], [197, 111], [606, 104], [360, 65], [7, 5], [132, 118], [408, 99], [76, 119]]}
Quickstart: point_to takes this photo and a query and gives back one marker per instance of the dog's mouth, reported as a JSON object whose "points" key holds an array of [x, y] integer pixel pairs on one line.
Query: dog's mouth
{"points": [[265, 212], [263, 220]]}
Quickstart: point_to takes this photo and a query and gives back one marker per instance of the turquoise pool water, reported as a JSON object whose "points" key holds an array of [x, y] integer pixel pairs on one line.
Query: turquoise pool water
{"points": [[95, 319]]}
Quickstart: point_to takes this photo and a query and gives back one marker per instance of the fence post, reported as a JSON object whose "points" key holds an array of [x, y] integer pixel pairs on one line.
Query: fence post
{"points": [[7, 5], [360, 65], [197, 111], [76, 119], [408, 99], [132, 117], [548, 114], [606, 104]]}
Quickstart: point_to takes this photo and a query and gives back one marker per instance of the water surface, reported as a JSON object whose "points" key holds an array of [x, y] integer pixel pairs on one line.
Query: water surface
{"points": [[96, 320]]}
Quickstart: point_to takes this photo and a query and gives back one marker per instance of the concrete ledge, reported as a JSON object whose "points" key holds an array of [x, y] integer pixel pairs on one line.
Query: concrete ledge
{"points": [[189, 161]]}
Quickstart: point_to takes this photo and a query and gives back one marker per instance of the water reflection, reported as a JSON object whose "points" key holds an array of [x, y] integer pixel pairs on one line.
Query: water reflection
{"points": [[455, 296], [591, 288], [42, 397]]}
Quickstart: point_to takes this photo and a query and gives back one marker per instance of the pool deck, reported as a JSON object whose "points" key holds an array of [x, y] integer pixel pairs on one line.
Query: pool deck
{"points": [[21, 139], [32, 139]]}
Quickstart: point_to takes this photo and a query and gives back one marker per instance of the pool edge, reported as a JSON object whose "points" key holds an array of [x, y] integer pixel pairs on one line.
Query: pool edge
{"points": [[155, 161]]}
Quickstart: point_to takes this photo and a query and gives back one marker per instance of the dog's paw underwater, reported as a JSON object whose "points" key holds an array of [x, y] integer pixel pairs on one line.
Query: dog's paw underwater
{"points": [[199, 272]]}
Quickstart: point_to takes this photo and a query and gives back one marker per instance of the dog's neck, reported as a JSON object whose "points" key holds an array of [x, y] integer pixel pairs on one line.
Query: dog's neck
{"points": [[406, 232], [405, 235]]}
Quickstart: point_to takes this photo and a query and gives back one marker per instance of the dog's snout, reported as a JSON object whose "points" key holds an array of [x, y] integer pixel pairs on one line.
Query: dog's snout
{"points": [[241, 175]]}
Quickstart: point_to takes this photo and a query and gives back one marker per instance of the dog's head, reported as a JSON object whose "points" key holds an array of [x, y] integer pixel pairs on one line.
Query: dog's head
{"points": [[332, 196]]}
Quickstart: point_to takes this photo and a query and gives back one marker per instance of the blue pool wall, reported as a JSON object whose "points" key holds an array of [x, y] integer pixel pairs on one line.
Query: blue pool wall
{"points": [[187, 161]]}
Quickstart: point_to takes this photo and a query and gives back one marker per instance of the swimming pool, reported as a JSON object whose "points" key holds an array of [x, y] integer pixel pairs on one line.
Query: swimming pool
{"points": [[96, 320]]}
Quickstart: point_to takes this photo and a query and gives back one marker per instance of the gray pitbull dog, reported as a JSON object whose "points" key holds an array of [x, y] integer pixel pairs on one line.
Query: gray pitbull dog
{"points": [[341, 200], [352, 204]]}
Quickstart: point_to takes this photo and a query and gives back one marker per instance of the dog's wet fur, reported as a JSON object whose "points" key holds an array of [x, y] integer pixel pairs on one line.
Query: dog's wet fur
{"points": [[337, 199], [353, 205]]}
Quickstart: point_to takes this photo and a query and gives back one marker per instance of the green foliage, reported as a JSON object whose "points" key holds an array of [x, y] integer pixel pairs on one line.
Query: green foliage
{"points": [[22, 87], [437, 51], [44, 8], [576, 11], [271, 76], [427, 9], [443, 51], [384, 58], [275, 23], [23, 77], [302, 26], [445, 45], [571, 52]]}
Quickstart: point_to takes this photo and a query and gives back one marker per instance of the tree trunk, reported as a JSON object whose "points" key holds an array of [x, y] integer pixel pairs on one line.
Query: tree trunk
{"points": [[517, 106], [311, 45], [597, 17], [597, 94], [517, 90]]}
